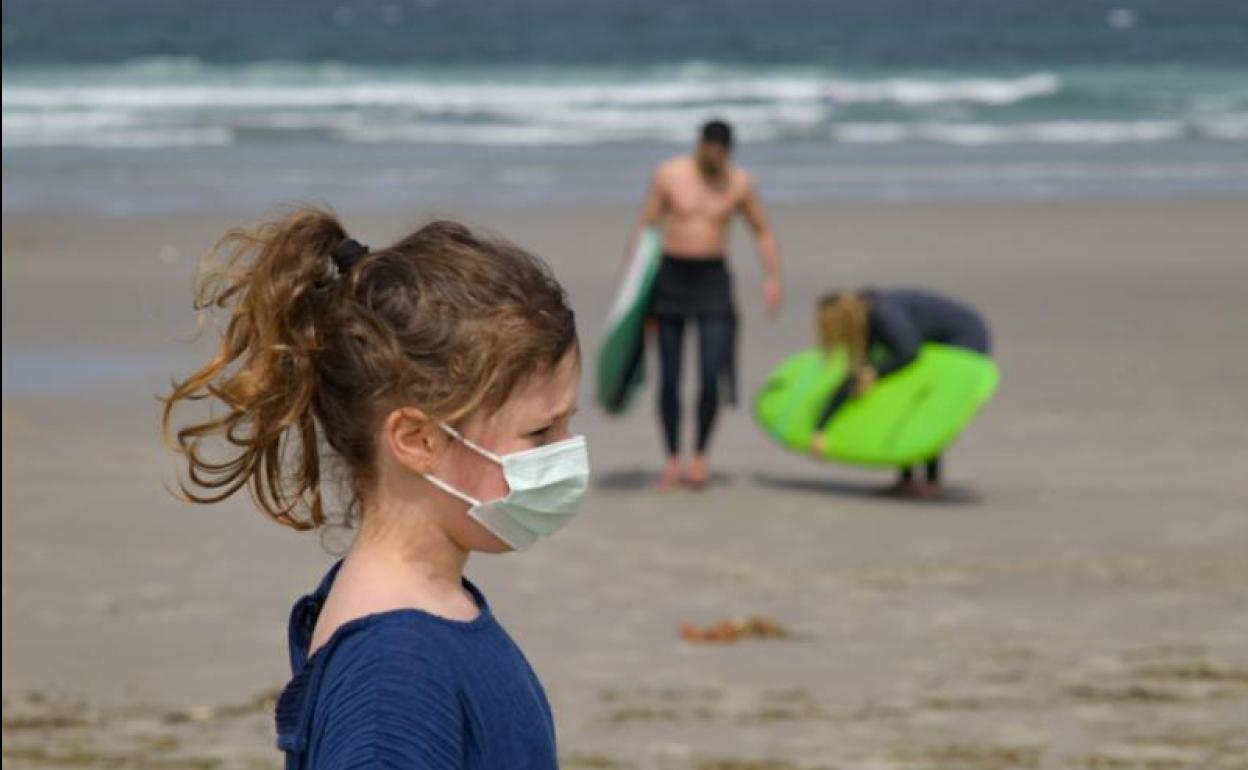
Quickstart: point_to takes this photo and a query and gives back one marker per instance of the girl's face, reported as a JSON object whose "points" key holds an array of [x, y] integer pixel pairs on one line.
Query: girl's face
{"points": [[539, 412]]}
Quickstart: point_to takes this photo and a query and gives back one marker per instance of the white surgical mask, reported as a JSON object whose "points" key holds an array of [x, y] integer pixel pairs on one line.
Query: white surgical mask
{"points": [[545, 486]]}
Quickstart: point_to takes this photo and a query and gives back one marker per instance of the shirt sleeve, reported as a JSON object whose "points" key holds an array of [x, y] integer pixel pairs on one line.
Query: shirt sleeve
{"points": [[891, 327], [395, 709]]}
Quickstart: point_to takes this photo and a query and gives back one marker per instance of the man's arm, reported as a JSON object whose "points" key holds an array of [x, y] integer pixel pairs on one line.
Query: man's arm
{"points": [[768, 248], [651, 212]]}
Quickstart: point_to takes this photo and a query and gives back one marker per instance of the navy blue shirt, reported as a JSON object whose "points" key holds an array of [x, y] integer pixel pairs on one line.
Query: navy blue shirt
{"points": [[407, 689]]}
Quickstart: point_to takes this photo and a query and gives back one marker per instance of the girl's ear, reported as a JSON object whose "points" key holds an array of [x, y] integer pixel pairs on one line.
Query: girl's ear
{"points": [[415, 441]]}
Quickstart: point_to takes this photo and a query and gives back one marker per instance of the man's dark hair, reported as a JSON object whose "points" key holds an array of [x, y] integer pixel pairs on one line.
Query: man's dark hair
{"points": [[717, 132]]}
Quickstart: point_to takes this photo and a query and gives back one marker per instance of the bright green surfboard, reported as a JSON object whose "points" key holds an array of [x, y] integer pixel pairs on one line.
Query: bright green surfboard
{"points": [[621, 363], [908, 417]]}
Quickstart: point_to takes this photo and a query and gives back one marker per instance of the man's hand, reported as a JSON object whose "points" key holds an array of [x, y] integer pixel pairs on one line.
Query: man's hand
{"points": [[768, 250], [773, 297]]}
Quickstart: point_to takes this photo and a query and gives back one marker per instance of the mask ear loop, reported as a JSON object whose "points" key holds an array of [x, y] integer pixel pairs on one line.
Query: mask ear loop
{"points": [[450, 490], [487, 454], [447, 488]]}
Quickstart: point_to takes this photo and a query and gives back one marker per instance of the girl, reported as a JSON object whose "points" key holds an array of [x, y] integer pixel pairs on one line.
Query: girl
{"points": [[439, 374], [898, 321]]}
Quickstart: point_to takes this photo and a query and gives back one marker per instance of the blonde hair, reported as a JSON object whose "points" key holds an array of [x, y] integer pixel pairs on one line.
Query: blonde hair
{"points": [[445, 319], [841, 320]]}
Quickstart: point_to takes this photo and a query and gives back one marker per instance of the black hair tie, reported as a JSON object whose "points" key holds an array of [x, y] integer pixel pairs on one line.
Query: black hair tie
{"points": [[347, 253]]}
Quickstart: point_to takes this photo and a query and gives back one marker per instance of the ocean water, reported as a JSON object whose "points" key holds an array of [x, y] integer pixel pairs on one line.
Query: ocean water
{"points": [[185, 105]]}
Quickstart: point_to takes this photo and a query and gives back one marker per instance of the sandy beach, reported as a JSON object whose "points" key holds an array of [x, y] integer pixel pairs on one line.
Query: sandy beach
{"points": [[1079, 601]]}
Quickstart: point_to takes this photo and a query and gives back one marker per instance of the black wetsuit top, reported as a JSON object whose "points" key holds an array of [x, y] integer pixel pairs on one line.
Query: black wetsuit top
{"points": [[698, 287], [903, 319]]}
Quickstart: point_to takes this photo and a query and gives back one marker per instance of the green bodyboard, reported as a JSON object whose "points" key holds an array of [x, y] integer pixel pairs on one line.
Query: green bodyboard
{"points": [[621, 359], [908, 417]]}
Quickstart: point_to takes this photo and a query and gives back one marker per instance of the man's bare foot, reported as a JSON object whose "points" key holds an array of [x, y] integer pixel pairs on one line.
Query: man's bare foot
{"points": [[672, 475], [698, 474]]}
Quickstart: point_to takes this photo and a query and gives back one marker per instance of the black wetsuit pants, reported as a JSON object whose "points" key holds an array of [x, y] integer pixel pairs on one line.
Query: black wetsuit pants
{"points": [[933, 471], [699, 290], [715, 339]]}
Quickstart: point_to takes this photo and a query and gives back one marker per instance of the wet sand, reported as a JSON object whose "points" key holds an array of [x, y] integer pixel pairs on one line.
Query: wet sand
{"points": [[1081, 600]]}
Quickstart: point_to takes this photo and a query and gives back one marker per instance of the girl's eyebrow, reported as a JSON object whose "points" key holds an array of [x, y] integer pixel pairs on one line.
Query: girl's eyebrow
{"points": [[552, 419]]}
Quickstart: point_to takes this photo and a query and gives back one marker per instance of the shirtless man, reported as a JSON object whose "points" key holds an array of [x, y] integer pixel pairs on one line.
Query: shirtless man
{"points": [[694, 199]]}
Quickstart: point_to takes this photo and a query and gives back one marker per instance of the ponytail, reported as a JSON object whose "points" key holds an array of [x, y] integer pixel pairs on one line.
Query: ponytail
{"points": [[272, 281]]}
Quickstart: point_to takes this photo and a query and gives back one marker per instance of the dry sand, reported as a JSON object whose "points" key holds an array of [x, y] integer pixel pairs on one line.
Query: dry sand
{"points": [[1081, 601]]}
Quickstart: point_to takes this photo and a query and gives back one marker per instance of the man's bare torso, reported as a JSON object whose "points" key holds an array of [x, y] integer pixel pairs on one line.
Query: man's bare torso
{"points": [[698, 211]]}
